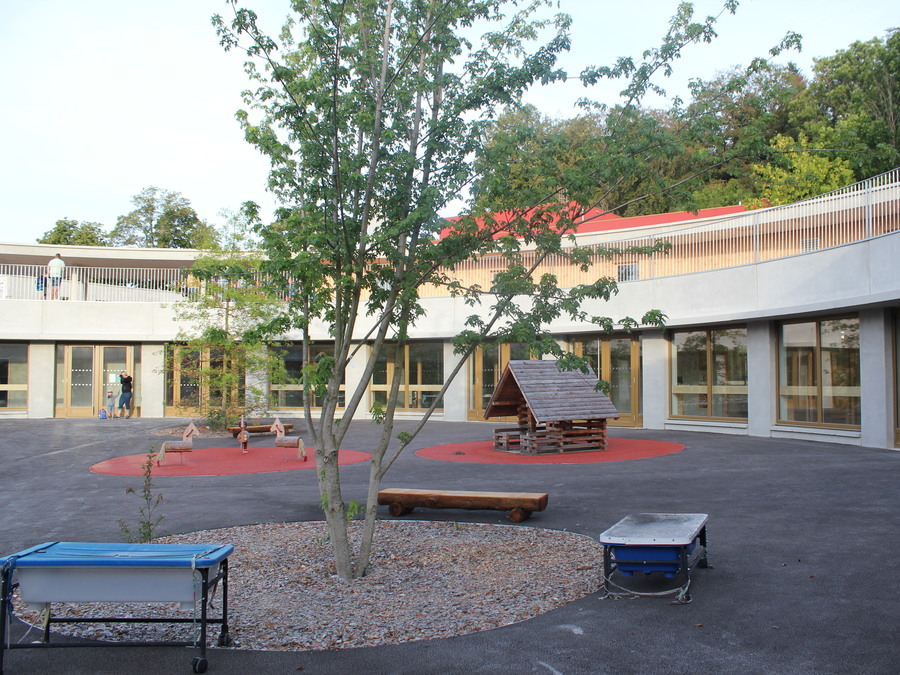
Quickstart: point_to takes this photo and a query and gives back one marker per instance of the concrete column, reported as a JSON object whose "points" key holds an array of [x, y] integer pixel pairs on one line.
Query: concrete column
{"points": [[655, 379], [256, 389], [456, 405], [352, 376], [151, 395], [762, 371], [876, 378], [41, 380]]}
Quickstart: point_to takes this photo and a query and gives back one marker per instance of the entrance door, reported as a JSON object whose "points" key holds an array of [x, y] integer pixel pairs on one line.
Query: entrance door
{"points": [[617, 359], [86, 373]]}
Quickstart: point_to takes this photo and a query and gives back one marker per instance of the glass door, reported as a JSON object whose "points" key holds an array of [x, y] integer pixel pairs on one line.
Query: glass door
{"points": [[487, 365], [85, 374], [80, 388], [617, 360]]}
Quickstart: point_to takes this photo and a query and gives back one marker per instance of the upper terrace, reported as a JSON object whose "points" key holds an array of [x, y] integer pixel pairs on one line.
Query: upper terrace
{"points": [[856, 213]]}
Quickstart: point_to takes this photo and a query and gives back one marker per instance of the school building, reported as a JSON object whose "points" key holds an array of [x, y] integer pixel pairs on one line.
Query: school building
{"points": [[782, 322]]}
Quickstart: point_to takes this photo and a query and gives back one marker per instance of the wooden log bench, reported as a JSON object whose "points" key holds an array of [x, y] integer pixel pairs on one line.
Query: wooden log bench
{"points": [[177, 447], [257, 429], [520, 505]]}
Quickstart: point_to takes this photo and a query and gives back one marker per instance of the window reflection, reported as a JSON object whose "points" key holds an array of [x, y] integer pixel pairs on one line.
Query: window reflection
{"points": [[818, 372], [709, 373]]}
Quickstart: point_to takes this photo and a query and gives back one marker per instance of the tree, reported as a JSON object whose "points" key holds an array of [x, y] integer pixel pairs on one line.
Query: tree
{"points": [[162, 219], [221, 351], [740, 112], [798, 172], [370, 113], [857, 92], [72, 233]]}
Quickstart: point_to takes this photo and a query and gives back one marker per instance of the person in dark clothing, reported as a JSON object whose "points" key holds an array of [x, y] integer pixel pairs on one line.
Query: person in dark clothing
{"points": [[127, 393]]}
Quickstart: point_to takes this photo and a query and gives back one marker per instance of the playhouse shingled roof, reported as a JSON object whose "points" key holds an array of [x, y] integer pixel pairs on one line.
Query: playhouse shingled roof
{"points": [[552, 395]]}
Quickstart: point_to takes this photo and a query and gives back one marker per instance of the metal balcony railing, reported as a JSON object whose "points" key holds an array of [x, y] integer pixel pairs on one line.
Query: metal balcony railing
{"points": [[852, 214], [94, 284], [855, 213]]}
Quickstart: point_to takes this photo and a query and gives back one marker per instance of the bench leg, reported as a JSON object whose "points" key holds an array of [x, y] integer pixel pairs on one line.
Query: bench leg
{"points": [[396, 509], [518, 514]]}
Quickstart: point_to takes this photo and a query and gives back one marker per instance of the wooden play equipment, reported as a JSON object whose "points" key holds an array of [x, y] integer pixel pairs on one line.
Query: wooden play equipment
{"points": [[282, 441], [243, 436], [556, 411], [520, 505], [186, 444], [256, 429]]}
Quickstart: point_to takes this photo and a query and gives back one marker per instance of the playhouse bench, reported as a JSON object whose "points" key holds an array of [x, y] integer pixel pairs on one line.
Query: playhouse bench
{"points": [[257, 429], [520, 505]]}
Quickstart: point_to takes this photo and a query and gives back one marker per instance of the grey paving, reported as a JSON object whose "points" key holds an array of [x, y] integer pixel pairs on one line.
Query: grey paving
{"points": [[804, 542]]}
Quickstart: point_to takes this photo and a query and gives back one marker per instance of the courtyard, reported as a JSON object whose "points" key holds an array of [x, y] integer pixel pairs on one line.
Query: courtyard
{"points": [[803, 542]]}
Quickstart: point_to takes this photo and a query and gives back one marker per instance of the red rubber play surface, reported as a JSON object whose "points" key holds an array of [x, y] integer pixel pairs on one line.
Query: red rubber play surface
{"points": [[222, 462], [618, 450]]}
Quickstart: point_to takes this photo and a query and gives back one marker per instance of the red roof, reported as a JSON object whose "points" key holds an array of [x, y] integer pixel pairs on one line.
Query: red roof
{"points": [[596, 220]]}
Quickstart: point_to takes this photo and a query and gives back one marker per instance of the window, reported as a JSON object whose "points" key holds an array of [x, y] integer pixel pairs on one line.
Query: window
{"points": [[423, 374], [629, 272], [13, 376], [198, 376], [808, 245], [818, 372], [709, 373], [286, 388]]}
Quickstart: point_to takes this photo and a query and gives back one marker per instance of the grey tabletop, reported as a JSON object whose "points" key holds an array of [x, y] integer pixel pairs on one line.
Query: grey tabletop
{"points": [[655, 529]]}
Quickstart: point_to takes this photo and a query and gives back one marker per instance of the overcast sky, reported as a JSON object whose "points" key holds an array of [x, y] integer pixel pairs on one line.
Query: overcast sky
{"points": [[102, 98]]}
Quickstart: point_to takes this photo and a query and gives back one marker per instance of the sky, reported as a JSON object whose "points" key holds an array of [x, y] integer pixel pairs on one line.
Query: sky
{"points": [[102, 98]]}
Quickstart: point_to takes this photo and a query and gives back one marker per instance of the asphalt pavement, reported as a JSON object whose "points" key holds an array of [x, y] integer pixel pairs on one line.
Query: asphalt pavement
{"points": [[804, 543]]}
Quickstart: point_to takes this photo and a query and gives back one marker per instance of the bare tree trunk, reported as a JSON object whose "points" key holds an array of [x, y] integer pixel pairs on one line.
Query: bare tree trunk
{"points": [[333, 504]]}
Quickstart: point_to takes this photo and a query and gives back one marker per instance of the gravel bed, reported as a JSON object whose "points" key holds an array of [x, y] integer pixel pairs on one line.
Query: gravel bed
{"points": [[427, 580]]}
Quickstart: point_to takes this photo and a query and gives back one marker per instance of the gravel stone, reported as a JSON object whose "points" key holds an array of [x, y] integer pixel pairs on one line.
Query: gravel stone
{"points": [[426, 580]]}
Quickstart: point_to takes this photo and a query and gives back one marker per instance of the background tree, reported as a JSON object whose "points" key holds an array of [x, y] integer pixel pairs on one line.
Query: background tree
{"points": [[162, 219], [371, 113], [856, 92], [72, 233], [798, 172], [739, 115]]}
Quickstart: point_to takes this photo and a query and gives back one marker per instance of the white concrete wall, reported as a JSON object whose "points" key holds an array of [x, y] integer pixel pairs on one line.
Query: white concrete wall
{"points": [[92, 322], [762, 400], [655, 380], [456, 400], [877, 378], [41, 380], [151, 396]]}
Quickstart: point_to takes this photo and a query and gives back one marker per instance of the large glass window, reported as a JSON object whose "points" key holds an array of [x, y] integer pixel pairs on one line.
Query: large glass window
{"points": [[709, 373], [195, 376], [13, 376], [286, 388], [818, 372], [423, 374]]}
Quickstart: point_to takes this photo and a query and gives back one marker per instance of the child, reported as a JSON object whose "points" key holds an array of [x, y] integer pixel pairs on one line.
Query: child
{"points": [[110, 404]]}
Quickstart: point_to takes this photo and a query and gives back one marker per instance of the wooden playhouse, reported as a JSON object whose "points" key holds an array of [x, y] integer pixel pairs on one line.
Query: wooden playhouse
{"points": [[556, 411]]}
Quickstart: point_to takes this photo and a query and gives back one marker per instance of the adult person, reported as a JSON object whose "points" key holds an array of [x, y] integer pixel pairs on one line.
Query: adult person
{"points": [[54, 273], [127, 393]]}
